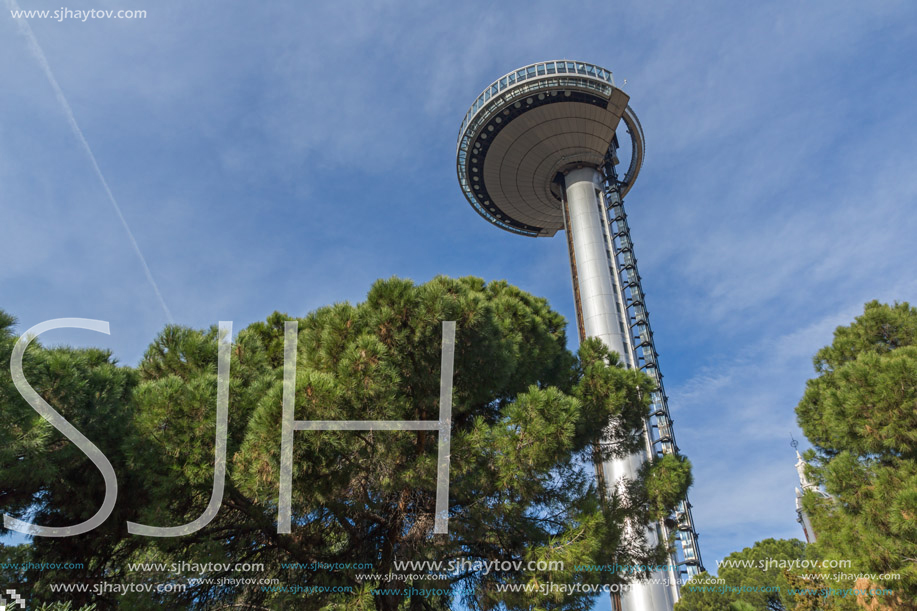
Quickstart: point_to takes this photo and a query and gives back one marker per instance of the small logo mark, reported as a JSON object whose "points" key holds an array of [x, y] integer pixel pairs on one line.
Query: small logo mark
{"points": [[17, 600]]}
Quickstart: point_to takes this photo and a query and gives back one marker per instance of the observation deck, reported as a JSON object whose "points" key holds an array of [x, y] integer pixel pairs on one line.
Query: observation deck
{"points": [[528, 128]]}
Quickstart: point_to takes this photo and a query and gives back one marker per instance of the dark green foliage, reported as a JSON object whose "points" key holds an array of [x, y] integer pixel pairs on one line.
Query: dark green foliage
{"points": [[527, 417], [664, 482], [600, 386], [752, 568], [46, 476], [861, 415]]}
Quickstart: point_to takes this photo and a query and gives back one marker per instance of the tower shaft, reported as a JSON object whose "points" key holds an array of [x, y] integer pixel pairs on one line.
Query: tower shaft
{"points": [[598, 311], [601, 313]]}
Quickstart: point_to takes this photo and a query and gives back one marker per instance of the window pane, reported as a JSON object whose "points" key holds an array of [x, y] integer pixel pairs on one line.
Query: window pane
{"points": [[503, 83]]}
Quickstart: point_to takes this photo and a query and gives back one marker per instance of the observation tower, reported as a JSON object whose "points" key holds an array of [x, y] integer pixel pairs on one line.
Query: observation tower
{"points": [[537, 152]]}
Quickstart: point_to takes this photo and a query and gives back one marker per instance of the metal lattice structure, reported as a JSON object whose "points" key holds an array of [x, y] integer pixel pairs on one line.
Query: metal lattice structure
{"points": [[660, 436]]}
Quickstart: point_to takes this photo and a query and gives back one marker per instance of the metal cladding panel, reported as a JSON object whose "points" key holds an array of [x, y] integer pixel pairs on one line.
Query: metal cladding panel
{"points": [[600, 317]]}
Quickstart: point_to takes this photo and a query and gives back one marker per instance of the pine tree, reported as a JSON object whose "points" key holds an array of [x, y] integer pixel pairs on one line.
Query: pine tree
{"points": [[527, 418], [860, 412], [47, 478], [757, 568]]}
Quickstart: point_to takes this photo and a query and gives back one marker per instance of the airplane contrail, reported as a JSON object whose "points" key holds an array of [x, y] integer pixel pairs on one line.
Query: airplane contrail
{"points": [[39, 55]]}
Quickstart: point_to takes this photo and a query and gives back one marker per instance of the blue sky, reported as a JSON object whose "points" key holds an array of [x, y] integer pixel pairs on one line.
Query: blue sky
{"points": [[283, 156]]}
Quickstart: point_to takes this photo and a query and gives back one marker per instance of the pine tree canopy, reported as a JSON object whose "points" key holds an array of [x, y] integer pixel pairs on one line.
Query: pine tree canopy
{"points": [[756, 568], [527, 423], [860, 413]]}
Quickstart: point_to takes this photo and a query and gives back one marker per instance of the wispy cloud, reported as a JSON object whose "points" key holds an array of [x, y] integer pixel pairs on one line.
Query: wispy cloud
{"points": [[39, 55]]}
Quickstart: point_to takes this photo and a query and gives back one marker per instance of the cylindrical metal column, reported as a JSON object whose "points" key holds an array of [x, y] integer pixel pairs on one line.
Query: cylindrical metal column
{"points": [[600, 317], [597, 294]]}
